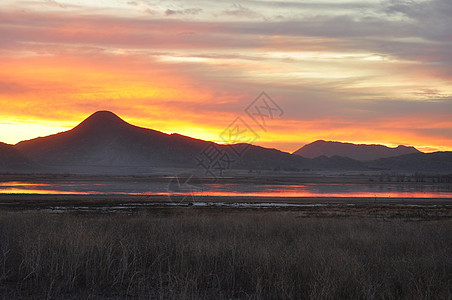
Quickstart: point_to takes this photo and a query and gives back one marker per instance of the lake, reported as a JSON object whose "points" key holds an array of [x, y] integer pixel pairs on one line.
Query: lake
{"points": [[418, 190]]}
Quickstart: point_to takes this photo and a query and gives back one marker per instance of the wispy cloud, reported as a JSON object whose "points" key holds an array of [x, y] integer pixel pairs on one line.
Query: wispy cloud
{"points": [[239, 10]]}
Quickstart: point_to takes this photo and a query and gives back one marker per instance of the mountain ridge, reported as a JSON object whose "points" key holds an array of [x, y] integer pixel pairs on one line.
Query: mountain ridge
{"points": [[440, 161], [104, 143], [361, 152]]}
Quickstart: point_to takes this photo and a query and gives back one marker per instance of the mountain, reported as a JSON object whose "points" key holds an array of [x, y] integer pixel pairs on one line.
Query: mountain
{"points": [[416, 162], [11, 160], [337, 163], [105, 143], [354, 151], [105, 140]]}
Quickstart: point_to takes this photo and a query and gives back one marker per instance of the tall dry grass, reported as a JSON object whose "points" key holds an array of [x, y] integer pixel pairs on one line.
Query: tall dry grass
{"points": [[262, 256]]}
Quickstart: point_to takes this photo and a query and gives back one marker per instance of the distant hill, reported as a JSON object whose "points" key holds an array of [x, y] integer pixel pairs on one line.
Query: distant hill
{"points": [[354, 151], [11, 160], [416, 162], [337, 163]]}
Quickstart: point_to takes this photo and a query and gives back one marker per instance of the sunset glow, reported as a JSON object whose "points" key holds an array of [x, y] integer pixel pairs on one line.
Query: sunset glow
{"points": [[373, 72]]}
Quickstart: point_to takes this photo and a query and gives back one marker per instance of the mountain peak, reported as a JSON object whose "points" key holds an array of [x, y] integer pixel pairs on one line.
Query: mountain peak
{"points": [[102, 119], [104, 116]]}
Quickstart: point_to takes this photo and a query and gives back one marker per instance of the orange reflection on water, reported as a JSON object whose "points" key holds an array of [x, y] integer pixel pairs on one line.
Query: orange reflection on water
{"points": [[282, 193], [18, 183], [42, 192], [232, 190], [17, 187]]}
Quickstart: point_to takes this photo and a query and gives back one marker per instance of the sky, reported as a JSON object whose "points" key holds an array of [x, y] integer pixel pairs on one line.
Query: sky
{"points": [[373, 72]]}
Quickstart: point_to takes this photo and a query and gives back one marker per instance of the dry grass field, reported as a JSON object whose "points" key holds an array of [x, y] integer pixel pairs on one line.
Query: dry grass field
{"points": [[203, 254]]}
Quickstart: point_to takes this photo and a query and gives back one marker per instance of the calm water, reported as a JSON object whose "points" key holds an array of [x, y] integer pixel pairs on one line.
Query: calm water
{"points": [[162, 188]]}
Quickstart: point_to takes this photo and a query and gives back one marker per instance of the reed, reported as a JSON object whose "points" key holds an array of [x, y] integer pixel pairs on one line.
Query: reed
{"points": [[274, 255]]}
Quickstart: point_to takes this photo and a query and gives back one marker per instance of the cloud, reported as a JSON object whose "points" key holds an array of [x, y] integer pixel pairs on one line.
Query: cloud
{"points": [[170, 12], [350, 71], [55, 3], [238, 10], [13, 88], [188, 11]]}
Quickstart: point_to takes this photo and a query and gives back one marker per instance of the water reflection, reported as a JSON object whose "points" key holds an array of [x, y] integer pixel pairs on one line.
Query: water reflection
{"points": [[249, 190]]}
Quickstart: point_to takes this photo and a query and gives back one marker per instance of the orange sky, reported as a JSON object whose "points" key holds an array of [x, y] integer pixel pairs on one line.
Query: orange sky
{"points": [[194, 68]]}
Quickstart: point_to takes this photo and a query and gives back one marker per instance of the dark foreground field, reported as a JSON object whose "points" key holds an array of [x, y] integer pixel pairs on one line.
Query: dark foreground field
{"points": [[192, 254]]}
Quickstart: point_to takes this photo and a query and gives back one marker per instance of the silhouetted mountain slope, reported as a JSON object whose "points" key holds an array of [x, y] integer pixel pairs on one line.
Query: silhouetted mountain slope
{"points": [[104, 139], [257, 157], [104, 142], [358, 152], [416, 162], [337, 163], [11, 160]]}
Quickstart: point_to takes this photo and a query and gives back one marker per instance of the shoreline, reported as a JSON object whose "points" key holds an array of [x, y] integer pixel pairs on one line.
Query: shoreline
{"points": [[427, 209]]}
